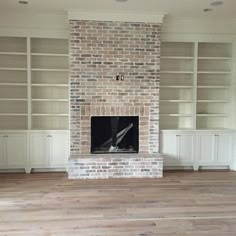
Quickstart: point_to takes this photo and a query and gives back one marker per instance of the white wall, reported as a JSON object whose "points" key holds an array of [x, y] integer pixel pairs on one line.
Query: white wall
{"points": [[32, 24], [200, 29]]}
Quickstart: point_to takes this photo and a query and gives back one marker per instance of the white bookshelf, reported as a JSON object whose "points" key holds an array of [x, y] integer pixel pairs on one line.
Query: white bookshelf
{"points": [[34, 83], [213, 86], [13, 83], [49, 83], [176, 93], [195, 87]]}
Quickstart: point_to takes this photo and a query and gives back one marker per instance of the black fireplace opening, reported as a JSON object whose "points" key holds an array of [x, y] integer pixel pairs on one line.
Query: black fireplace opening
{"points": [[114, 134]]}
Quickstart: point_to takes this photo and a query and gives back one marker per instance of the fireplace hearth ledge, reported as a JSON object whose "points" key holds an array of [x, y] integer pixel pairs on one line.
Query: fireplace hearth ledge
{"points": [[104, 166]]}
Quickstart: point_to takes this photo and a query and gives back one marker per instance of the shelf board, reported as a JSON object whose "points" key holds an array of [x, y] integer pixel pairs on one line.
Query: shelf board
{"points": [[49, 100], [212, 115], [50, 85], [214, 101], [176, 128], [184, 101], [214, 72], [50, 54], [214, 87], [176, 72], [175, 86], [215, 58], [48, 69], [13, 99], [177, 57], [37, 128], [13, 68], [177, 115], [14, 53], [13, 114], [214, 128], [49, 114], [13, 84]]}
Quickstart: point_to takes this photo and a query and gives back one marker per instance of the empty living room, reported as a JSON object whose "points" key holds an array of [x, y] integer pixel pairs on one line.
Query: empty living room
{"points": [[118, 117]]}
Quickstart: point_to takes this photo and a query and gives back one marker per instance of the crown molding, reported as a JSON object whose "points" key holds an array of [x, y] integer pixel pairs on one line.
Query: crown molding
{"points": [[116, 16]]}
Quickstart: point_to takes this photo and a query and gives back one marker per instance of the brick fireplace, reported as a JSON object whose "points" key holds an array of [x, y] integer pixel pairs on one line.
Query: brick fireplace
{"points": [[101, 53]]}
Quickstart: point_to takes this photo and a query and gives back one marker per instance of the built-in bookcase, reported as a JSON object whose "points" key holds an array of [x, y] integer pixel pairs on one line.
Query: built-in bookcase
{"points": [[176, 92], [34, 83], [50, 85], [214, 85], [13, 83], [195, 85]]}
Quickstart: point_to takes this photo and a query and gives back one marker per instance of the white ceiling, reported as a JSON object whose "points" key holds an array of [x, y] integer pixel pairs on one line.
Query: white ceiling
{"points": [[174, 8]]}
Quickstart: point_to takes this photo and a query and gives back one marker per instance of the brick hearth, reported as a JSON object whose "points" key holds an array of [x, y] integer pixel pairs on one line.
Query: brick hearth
{"points": [[98, 52], [116, 166]]}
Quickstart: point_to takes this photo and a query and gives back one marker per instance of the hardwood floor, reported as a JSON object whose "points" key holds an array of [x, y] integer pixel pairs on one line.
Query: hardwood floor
{"points": [[182, 203]]}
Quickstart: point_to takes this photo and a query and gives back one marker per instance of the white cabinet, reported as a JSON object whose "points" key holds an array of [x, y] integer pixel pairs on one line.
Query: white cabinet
{"points": [[59, 150], [39, 150], [214, 148], [16, 151], [13, 151], [196, 148], [178, 148], [2, 152], [49, 150]]}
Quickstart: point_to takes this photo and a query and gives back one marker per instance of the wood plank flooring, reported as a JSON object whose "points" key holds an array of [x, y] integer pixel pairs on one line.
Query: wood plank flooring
{"points": [[182, 203]]}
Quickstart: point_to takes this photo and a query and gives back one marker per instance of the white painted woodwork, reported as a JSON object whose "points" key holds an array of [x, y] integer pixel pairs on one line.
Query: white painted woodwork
{"points": [[186, 148], [2, 152], [178, 148], [214, 148], [34, 83], [16, 151], [114, 16], [39, 151], [49, 150], [59, 150], [223, 144], [169, 149], [196, 79], [206, 151], [13, 151], [196, 148]]}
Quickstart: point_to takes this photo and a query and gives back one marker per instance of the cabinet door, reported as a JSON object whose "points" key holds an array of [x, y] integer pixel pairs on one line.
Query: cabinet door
{"points": [[223, 148], [2, 152], [59, 150], [185, 148], [206, 150], [16, 150], [39, 150], [168, 149]]}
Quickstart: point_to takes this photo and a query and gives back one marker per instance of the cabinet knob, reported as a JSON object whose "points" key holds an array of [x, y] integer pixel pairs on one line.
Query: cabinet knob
{"points": [[49, 136]]}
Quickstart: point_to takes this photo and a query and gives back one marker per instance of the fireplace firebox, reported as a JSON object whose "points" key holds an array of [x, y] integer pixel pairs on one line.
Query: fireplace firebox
{"points": [[114, 134]]}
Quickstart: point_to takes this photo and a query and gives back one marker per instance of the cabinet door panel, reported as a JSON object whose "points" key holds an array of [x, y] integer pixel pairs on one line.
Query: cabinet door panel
{"points": [[2, 152], [168, 148], [223, 148], [16, 151], [59, 150], [39, 151], [206, 148], [186, 148]]}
